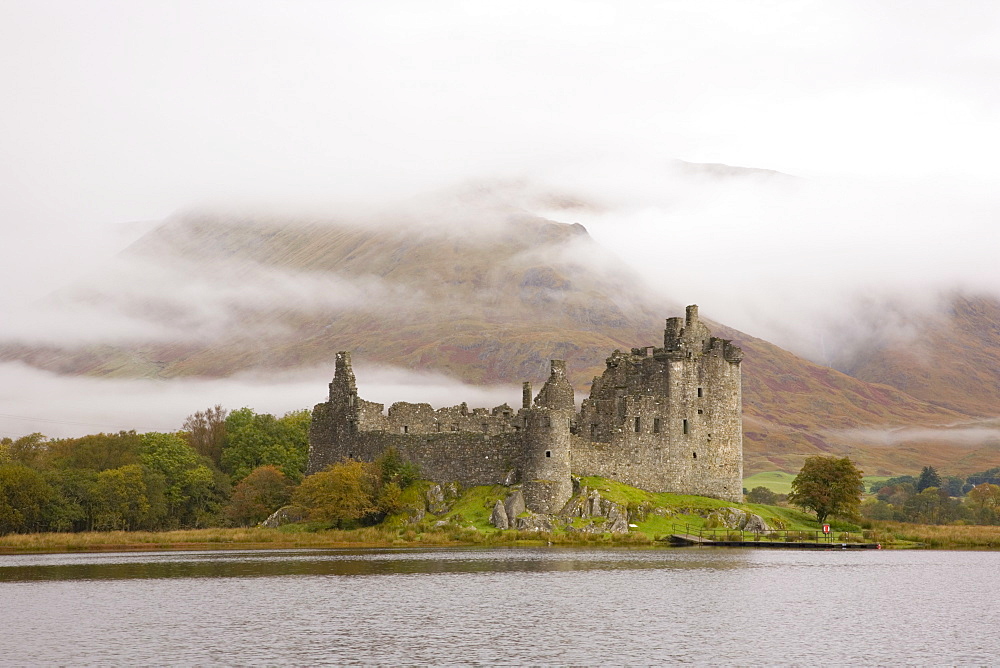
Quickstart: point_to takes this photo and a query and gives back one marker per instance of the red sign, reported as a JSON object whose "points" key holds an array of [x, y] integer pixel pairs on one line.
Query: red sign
{"points": [[826, 528]]}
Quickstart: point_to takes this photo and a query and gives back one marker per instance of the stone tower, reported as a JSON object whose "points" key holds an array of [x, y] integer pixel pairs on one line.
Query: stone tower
{"points": [[670, 418], [547, 484]]}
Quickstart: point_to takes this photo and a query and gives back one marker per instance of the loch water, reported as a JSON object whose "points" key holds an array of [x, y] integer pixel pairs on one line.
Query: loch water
{"points": [[563, 606]]}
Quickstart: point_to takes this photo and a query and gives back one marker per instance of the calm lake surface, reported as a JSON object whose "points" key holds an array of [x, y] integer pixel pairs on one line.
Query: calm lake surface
{"points": [[501, 606]]}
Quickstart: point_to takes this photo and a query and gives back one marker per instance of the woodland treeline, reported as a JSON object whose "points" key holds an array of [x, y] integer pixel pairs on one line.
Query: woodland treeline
{"points": [[221, 469]]}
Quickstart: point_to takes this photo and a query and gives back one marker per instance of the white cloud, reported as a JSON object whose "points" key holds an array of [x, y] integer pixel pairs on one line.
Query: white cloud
{"points": [[58, 406]]}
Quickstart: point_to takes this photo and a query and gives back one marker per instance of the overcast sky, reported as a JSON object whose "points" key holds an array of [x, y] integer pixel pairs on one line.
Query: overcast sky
{"points": [[889, 114]]}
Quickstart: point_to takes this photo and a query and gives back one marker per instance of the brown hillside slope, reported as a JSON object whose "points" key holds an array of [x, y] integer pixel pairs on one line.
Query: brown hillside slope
{"points": [[486, 305], [952, 359]]}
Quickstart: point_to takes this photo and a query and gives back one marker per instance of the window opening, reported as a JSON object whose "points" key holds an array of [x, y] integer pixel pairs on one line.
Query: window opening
{"points": [[685, 426], [656, 425], [700, 392], [548, 453], [638, 425], [694, 455]]}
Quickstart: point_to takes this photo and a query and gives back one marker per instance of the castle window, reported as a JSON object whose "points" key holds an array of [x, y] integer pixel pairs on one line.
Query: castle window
{"points": [[406, 430], [486, 427], [548, 453], [694, 455], [546, 421], [710, 437], [593, 430], [700, 411], [454, 427], [656, 425], [685, 426], [638, 425], [700, 394]]}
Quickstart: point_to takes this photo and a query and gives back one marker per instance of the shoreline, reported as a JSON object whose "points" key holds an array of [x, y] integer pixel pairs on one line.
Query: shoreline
{"points": [[903, 537]]}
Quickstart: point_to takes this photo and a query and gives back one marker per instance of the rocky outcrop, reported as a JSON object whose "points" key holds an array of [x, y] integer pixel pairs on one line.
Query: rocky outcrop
{"points": [[534, 522], [440, 498], [735, 518], [589, 504]]}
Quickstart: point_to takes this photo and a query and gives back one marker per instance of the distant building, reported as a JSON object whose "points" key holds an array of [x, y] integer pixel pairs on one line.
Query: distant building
{"points": [[662, 419]]}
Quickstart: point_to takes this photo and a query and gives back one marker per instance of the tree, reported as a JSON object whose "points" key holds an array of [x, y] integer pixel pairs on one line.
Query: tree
{"points": [[254, 440], [99, 452], [25, 498], [985, 501], [120, 496], [258, 495], [763, 495], [206, 432], [342, 494], [828, 486], [27, 450], [928, 478]]}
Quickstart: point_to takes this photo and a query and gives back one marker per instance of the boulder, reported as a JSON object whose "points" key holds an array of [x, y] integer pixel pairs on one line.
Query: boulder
{"points": [[285, 515], [514, 504], [499, 516]]}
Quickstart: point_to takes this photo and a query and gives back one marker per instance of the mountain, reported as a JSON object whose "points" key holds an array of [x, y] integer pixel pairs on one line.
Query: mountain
{"points": [[486, 294]]}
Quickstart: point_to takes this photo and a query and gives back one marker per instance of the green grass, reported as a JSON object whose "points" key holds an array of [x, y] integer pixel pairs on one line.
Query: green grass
{"points": [[682, 512], [869, 480], [778, 482]]}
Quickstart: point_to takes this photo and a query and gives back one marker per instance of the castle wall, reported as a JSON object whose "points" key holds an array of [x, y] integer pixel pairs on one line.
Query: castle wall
{"points": [[468, 457]]}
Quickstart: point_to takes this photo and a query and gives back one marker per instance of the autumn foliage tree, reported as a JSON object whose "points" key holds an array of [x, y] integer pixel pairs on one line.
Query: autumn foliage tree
{"points": [[828, 486], [342, 494], [258, 495]]}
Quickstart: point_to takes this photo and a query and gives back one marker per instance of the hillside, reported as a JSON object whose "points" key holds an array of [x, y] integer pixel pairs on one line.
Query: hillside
{"points": [[951, 358], [487, 304]]}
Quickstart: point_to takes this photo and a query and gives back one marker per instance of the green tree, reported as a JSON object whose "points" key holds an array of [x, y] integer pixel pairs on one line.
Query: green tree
{"points": [[258, 495], [984, 499], [25, 499], [206, 432], [763, 495], [73, 509], [120, 496], [342, 494], [172, 457], [254, 440], [928, 478], [95, 451], [27, 450], [828, 486]]}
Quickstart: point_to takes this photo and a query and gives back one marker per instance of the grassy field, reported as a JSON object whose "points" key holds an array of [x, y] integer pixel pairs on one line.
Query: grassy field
{"points": [[778, 482]]}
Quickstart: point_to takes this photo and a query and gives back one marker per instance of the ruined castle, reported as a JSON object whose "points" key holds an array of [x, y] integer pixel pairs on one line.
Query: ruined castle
{"points": [[662, 419]]}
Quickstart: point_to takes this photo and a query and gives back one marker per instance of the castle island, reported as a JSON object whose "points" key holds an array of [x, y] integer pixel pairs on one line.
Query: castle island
{"points": [[661, 419]]}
